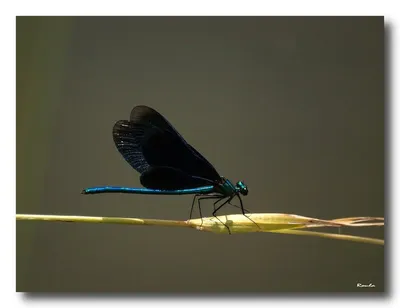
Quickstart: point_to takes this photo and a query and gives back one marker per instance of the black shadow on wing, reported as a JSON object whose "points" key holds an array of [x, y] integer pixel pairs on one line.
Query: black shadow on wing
{"points": [[168, 178]]}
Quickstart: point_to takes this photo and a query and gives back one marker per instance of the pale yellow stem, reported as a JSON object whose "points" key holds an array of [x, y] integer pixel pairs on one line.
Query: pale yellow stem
{"points": [[264, 222]]}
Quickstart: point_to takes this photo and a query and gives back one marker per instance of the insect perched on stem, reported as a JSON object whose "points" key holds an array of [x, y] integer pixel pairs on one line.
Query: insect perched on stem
{"points": [[167, 164]]}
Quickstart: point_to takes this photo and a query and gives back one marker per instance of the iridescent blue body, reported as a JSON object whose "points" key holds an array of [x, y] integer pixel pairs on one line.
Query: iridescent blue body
{"points": [[167, 164], [148, 191], [225, 188]]}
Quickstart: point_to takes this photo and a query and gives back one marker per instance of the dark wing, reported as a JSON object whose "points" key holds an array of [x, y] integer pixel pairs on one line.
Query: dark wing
{"points": [[170, 179], [150, 140], [127, 138]]}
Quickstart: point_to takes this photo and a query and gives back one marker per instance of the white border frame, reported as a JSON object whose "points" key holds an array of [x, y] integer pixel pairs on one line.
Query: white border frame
{"points": [[10, 298]]}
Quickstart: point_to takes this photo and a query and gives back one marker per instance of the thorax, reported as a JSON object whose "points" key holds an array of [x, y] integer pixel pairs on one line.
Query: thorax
{"points": [[226, 187]]}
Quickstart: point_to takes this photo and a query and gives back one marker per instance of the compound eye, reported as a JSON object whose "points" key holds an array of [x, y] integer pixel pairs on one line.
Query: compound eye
{"points": [[242, 188]]}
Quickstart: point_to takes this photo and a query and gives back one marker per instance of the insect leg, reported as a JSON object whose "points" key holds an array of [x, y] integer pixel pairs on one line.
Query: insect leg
{"points": [[202, 198], [243, 211], [191, 209], [215, 210], [239, 207]]}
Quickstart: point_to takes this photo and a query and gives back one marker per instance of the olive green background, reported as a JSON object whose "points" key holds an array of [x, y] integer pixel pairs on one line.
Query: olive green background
{"points": [[293, 106]]}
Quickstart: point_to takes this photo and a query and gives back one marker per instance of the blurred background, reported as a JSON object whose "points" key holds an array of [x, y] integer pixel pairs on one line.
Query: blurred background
{"points": [[293, 106]]}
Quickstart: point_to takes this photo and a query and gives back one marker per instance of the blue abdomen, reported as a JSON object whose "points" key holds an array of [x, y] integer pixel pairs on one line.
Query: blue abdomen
{"points": [[147, 191]]}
